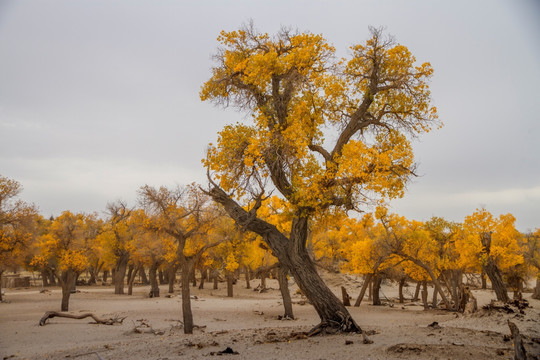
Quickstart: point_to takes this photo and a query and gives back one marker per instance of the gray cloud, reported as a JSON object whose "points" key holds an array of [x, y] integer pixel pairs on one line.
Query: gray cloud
{"points": [[98, 97]]}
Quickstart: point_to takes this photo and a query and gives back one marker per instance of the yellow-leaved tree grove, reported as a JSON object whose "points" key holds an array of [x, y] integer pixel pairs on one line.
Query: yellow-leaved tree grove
{"points": [[297, 91]]}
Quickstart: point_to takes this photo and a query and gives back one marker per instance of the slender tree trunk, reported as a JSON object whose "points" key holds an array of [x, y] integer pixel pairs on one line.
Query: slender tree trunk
{"points": [[401, 283], [172, 277], [186, 300], [131, 267], [204, 275], [425, 295], [484, 281], [230, 278], [52, 278], [1, 272], [285, 294], [536, 294], [248, 278], [154, 286], [45, 278], [216, 279], [263, 280], [376, 289], [370, 290], [105, 276], [193, 277], [162, 279], [367, 281], [142, 274], [417, 291], [131, 279], [434, 299]]}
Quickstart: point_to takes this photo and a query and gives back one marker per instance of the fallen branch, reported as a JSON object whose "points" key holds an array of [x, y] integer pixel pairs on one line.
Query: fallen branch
{"points": [[50, 314]]}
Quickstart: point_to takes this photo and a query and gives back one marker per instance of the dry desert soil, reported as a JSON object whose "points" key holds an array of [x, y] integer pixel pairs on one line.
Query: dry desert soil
{"points": [[248, 325]]}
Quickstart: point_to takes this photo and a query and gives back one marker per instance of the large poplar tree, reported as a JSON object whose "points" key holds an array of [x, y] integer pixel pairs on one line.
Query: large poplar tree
{"points": [[323, 132]]}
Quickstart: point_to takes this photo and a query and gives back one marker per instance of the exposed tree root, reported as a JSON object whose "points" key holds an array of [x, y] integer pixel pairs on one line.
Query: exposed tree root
{"points": [[50, 314], [347, 324]]}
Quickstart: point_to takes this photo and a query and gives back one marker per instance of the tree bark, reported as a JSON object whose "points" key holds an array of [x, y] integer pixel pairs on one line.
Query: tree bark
{"points": [[248, 278], [292, 253], [204, 275], [172, 277], [345, 297], [66, 282], [536, 294], [492, 270], [161, 278], [187, 314], [417, 291], [401, 283], [1, 272], [144, 278], [367, 281], [120, 273], [484, 281], [425, 295], [285, 294], [105, 276], [154, 286], [376, 289], [131, 280], [230, 278], [434, 299]]}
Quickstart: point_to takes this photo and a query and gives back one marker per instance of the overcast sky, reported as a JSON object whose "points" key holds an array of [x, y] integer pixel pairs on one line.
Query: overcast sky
{"points": [[98, 98]]}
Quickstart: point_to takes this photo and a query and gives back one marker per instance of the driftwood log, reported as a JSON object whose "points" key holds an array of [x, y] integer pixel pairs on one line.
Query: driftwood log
{"points": [[50, 314]]}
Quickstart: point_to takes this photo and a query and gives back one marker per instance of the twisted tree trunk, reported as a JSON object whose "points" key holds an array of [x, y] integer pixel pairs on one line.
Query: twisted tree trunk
{"points": [[492, 270], [285, 294], [292, 253]]}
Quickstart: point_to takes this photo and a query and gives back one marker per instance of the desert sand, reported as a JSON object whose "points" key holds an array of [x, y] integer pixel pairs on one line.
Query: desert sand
{"points": [[248, 324]]}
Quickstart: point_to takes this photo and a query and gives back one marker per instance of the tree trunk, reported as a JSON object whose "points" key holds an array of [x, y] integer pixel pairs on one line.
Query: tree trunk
{"points": [[484, 281], [1, 272], [401, 298], [216, 279], [66, 282], [144, 278], [263, 281], [204, 275], [162, 279], [367, 281], [45, 278], [154, 286], [285, 294], [172, 277], [376, 289], [345, 297], [425, 295], [492, 270], [120, 273], [230, 278], [131, 267], [186, 300], [434, 300], [105, 276], [52, 278], [536, 294], [248, 278], [292, 253], [417, 291], [193, 277], [131, 279]]}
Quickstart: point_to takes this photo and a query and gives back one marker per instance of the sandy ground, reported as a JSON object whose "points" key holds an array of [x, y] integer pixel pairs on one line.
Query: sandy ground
{"points": [[249, 325]]}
